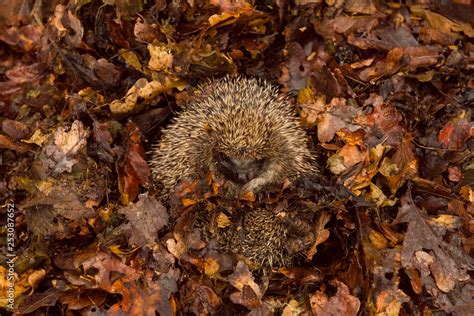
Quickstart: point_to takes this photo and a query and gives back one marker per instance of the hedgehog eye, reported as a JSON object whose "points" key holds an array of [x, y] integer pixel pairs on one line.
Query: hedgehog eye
{"points": [[225, 165], [224, 161]]}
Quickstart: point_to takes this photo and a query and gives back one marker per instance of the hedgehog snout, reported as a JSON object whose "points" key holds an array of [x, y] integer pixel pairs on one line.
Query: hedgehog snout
{"points": [[239, 170]]}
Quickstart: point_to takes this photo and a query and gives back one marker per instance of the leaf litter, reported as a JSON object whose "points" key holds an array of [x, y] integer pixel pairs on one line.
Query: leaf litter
{"points": [[384, 90]]}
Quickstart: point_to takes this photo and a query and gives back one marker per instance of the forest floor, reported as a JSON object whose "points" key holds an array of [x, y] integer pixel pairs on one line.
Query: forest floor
{"points": [[385, 91]]}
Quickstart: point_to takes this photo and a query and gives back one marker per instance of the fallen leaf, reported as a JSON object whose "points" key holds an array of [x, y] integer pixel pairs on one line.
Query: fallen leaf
{"points": [[134, 170], [7, 143], [456, 132], [230, 11], [38, 300], [441, 23], [387, 297], [27, 38], [161, 58], [352, 155], [15, 129], [401, 166], [446, 270], [105, 264], [342, 303], [145, 219], [155, 296], [360, 7], [77, 299], [37, 138], [388, 66], [249, 293], [61, 155], [322, 234], [346, 25]]}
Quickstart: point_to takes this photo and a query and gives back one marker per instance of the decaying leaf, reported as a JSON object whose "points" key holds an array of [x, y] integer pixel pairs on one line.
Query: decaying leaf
{"points": [[383, 89], [322, 234], [249, 293], [61, 154], [134, 170], [146, 218], [155, 297], [456, 132], [57, 212], [446, 269], [387, 296], [342, 303]]}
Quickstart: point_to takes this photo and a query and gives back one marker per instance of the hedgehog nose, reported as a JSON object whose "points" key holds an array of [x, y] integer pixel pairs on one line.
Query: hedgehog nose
{"points": [[243, 177]]}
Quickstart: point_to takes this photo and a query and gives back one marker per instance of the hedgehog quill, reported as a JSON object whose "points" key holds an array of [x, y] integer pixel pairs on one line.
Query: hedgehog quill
{"points": [[239, 129]]}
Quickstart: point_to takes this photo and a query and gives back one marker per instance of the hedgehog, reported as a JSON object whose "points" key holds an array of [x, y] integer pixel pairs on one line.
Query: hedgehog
{"points": [[263, 238], [240, 130]]}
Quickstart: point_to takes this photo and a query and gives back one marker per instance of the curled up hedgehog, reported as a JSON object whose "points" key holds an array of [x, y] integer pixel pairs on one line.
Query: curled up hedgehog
{"points": [[241, 130], [244, 133]]}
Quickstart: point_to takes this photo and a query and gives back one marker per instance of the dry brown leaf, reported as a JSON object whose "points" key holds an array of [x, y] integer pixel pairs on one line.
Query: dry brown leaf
{"points": [[388, 66], [38, 300], [31, 73], [456, 132], [230, 11], [232, 7], [360, 6], [62, 21], [332, 118], [134, 171], [77, 299], [161, 58], [401, 166], [7, 143], [342, 303], [27, 38], [322, 234], [364, 174], [249, 293], [67, 144], [201, 298], [419, 57], [105, 264], [15, 129], [145, 219], [387, 297], [154, 296], [446, 269], [353, 155], [441, 23], [146, 32], [346, 25]]}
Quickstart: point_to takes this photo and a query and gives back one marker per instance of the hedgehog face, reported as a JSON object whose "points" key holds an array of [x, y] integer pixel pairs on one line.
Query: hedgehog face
{"points": [[238, 169]]}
